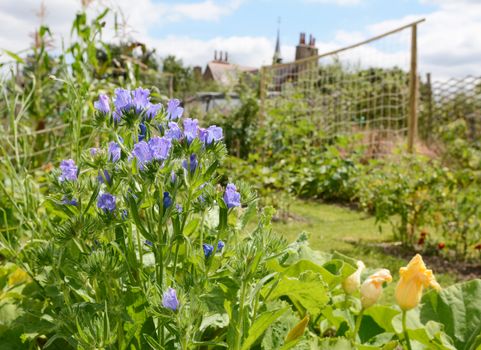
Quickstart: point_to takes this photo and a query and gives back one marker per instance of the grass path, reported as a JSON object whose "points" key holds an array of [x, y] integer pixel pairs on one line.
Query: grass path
{"points": [[336, 228]]}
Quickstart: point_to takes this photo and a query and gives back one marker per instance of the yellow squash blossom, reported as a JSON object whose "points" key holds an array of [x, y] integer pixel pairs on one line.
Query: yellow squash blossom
{"points": [[352, 283], [414, 277], [371, 289]]}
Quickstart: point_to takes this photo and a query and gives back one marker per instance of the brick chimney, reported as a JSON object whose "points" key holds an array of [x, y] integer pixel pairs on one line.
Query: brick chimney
{"points": [[305, 51]]}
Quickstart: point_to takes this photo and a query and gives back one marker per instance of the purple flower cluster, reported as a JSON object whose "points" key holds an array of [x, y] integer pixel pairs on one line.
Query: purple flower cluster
{"points": [[211, 134], [67, 201], [174, 111], [157, 148], [69, 170], [102, 104], [231, 196], [209, 248], [191, 129], [190, 164], [173, 132], [160, 147], [114, 151], [137, 100], [167, 200], [106, 202], [104, 176], [169, 299]]}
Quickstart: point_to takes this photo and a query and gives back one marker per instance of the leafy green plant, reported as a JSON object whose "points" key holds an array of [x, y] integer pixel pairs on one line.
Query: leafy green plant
{"points": [[402, 192]]}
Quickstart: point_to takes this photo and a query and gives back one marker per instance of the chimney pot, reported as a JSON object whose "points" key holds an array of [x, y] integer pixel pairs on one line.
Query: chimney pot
{"points": [[302, 39], [215, 55], [220, 58], [226, 57]]}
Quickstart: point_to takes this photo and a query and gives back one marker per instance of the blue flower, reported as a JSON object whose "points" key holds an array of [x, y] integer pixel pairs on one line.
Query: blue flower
{"points": [[104, 177], [117, 116], [167, 200], [94, 151], [173, 132], [102, 105], [179, 208], [67, 201], [211, 134], [142, 153], [123, 100], [106, 202], [149, 243], [169, 299], [190, 129], [192, 162], [208, 249], [231, 196], [174, 111], [142, 131], [160, 147], [173, 177], [114, 151], [141, 99], [125, 214], [69, 170], [220, 245], [153, 110]]}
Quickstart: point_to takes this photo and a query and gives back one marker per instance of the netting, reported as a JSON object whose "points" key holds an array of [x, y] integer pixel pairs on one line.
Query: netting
{"points": [[445, 101], [363, 89]]}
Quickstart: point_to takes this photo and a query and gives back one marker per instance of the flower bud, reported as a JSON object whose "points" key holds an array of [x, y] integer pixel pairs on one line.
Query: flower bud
{"points": [[371, 289], [414, 277], [353, 282]]}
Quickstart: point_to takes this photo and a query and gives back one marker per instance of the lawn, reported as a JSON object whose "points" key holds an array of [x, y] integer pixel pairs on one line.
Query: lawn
{"points": [[354, 233]]}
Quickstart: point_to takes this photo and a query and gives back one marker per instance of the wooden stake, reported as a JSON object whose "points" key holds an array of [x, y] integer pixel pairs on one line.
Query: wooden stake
{"points": [[413, 87]]}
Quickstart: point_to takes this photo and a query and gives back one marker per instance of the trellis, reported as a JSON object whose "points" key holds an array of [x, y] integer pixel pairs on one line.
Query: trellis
{"points": [[358, 89]]}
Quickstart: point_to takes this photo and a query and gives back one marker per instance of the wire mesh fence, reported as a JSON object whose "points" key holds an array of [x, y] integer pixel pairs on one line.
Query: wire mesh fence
{"points": [[444, 101], [363, 89]]}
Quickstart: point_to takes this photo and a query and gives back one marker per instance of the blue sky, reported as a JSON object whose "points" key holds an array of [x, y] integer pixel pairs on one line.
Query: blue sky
{"points": [[449, 40], [323, 19]]}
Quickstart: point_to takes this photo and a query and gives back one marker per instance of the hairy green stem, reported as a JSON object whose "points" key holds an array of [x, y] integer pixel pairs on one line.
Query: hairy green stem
{"points": [[405, 330], [357, 326]]}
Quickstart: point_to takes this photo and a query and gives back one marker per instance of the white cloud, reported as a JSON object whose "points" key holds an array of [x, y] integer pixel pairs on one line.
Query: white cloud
{"points": [[336, 2], [19, 18], [244, 50], [449, 42]]}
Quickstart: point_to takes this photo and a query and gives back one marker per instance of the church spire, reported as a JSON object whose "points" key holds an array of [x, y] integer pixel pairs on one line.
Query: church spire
{"points": [[277, 53]]}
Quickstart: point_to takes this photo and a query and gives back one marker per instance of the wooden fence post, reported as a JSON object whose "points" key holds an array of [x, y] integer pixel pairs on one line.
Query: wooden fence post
{"points": [[413, 87], [262, 95]]}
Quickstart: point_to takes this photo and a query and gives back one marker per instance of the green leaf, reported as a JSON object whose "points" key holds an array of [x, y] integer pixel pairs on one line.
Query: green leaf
{"points": [[260, 325], [14, 56], [335, 344], [458, 308], [308, 291], [298, 330], [191, 227], [216, 321], [382, 316]]}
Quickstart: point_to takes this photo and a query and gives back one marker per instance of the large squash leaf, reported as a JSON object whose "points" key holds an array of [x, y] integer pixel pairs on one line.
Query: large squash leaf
{"points": [[458, 308]]}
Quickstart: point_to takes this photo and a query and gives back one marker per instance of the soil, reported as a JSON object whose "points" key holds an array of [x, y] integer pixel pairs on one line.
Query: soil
{"points": [[462, 270]]}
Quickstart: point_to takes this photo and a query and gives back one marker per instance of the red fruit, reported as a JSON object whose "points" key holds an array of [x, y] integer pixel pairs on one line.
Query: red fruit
{"points": [[441, 246]]}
